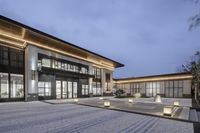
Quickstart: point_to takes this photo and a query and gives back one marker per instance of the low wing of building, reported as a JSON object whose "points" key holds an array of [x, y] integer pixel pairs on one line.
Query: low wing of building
{"points": [[175, 85]]}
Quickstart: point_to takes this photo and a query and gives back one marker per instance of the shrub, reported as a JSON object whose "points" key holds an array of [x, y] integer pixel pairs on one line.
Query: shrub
{"points": [[119, 92]]}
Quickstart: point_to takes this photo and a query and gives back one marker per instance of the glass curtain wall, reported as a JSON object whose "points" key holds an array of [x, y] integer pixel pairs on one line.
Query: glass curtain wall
{"points": [[44, 88], [61, 65], [107, 83], [96, 84], [4, 88], [11, 73], [152, 88], [135, 88], [174, 88], [17, 89], [84, 87]]}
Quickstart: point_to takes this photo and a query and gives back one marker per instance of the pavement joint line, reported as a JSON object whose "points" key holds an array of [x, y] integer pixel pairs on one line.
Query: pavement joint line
{"points": [[140, 113]]}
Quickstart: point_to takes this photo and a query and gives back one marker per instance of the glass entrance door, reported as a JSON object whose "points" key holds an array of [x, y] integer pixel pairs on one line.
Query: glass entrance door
{"points": [[69, 89], [58, 89], [74, 89], [64, 89]]}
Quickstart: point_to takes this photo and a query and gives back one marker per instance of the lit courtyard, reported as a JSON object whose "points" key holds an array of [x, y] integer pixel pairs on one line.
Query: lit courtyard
{"points": [[19, 117]]}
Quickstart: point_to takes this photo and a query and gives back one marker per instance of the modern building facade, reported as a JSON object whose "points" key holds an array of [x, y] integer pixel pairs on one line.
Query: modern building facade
{"points": [[36, 66], [176, 85]]}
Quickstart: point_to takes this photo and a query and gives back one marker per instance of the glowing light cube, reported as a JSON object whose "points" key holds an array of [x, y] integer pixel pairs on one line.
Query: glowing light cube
{"points": [[101, 98], [158, 99], [167, 110], [106, 103], [130, 100], [176, 103], [76, 100]]}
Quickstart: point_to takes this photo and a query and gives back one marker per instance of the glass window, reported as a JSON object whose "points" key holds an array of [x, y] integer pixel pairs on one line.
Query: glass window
{"points": [[94, 88], [69, 67], [74, 89], [4, 88], [98, 88], [83, 70], [69, 89], [17, 87], [3, 55], [39, 64], [66, 67], [63, 66], [58, 65], [84, 89], [44, 88], [46, 62]]}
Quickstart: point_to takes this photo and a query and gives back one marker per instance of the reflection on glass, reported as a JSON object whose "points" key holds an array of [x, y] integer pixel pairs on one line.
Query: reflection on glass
{"points": [[4, 88], [46, 62], [75, 89], [64, 92], [58, 89], [17, 90], [69, 89]]}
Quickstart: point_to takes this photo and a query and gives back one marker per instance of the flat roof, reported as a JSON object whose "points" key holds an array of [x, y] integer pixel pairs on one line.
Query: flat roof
{"points": [[58, 39], [155, 76]]}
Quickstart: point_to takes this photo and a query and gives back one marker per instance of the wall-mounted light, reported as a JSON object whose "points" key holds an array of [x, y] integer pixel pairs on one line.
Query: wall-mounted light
{"points": [[33, 74]]}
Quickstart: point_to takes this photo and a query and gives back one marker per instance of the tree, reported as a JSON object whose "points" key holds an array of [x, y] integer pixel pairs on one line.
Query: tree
{"points": [[195, 20], [193, 66]]}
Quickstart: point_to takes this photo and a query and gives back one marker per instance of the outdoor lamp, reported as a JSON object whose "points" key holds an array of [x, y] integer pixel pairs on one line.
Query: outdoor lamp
{"points": [[176, 103], [167, 110], [158, 99], [106, 103], [75, 100], [130, 100], [101, 98]]}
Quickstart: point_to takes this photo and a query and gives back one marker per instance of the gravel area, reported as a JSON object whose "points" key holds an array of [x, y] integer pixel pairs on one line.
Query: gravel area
{"points": [[32, 117]]}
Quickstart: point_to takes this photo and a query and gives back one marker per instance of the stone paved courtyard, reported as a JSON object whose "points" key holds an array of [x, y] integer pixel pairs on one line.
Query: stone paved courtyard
{"points": [[32, 117]]}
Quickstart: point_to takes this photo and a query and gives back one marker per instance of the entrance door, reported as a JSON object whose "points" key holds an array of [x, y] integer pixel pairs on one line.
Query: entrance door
{"points": [[74, 89], [70, 89], [58, 89], [64, 89]]}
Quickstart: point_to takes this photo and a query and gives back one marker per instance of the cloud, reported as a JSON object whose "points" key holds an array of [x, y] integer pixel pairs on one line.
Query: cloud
{"points": [[149, 37]]}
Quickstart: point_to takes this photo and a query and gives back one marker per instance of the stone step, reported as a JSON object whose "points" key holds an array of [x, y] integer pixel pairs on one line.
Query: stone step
{"points": [[193, 115]]}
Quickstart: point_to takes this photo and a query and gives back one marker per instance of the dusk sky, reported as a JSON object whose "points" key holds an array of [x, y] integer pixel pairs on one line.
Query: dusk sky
{"points": [[148, 36]]}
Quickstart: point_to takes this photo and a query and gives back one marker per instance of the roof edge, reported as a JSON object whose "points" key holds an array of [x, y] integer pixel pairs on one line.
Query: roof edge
{"points": [[153, 76], [58, 39]]}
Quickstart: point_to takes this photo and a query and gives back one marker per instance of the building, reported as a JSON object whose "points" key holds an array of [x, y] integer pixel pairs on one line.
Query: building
{"points": [[36, 66], [176, 85]]}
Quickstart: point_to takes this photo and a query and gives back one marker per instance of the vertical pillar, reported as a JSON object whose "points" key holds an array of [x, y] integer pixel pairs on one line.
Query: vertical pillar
{"points": [[31, 78], [90, 80], [111, 82], [102, 82]]}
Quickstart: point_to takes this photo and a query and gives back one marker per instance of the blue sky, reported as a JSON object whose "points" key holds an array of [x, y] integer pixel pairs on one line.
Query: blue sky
{"points": [[148, 36]]}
